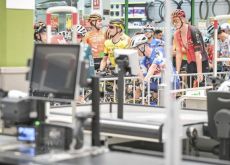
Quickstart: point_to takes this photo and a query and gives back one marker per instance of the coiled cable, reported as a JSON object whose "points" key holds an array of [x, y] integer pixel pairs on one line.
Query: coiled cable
{"points": [[162, 6], [214, 3], [180, 6], [149, 7], [200, 9]]}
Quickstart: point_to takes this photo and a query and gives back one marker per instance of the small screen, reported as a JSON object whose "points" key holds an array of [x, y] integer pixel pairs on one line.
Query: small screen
{"points": [[54, 71], [26, 134]]}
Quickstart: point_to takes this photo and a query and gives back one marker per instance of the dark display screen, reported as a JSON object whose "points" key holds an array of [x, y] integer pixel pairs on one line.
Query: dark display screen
{"points": [[54, 71]]}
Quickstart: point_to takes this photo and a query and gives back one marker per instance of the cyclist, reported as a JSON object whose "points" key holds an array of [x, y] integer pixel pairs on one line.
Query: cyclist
{"points": [[88, 57], [40, 35], [210, 51], [149, 32], [87, 53], [224, 39], [224, 45], [117, 40], [189, 39], [40, 32], [158, 34], [152, 60], [95, 38], [226, 27]]}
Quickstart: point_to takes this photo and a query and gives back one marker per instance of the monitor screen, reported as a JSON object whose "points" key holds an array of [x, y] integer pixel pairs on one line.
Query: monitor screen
{"points": [[133, 59], [54, 136], [54, 72], [26, 134], [217, 100]]}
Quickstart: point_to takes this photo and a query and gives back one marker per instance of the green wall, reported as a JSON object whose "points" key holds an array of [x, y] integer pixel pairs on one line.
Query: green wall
{"points": [[17, 31], [2, 32]]}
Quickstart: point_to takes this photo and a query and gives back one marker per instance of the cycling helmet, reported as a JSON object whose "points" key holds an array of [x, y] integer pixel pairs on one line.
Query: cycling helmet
{"points": [[149, 27], [210, 30], [40, 28], [206, 40], [138, 40], [81, 30], [178, 13], [94, 17], [225, 27], [118, 23], [63, 33]]}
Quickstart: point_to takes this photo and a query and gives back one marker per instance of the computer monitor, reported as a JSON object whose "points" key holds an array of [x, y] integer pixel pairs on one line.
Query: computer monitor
{"points": [[217, 100], [26, 133], [219, 119], [133, 59], [54, 72]]}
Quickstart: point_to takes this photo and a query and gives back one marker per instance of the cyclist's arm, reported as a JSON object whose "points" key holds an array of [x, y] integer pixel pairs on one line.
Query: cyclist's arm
{"points": [[151, 71], [103, 62], [198, 44], [178, 56]]}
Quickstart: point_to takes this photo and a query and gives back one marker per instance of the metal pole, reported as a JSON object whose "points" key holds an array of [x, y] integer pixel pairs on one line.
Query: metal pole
{"points": [[96, 110], [172, 146], [215, 48], [126, 16], [120, 92], [193, 12]]}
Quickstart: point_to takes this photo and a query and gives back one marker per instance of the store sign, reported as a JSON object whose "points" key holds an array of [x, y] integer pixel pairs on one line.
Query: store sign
{"points": [[20, 4], [96, 4]]}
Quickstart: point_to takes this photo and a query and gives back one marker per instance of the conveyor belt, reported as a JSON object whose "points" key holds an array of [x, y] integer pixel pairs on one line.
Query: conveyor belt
{"points": [[129, 129], [140, 122]]}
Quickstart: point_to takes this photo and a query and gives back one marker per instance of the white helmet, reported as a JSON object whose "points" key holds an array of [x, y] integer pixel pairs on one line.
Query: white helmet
{"points": [[225, 27], [81, 30], [149, 27], [210, 30], [138, 40]]}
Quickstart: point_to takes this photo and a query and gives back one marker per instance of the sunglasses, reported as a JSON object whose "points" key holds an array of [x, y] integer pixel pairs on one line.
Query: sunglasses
{"points": [[111, 27], [148, 30]]}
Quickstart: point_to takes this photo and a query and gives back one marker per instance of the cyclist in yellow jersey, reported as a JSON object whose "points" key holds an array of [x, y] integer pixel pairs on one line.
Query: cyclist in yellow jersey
{"points": [[96, 38], [118, 40]]}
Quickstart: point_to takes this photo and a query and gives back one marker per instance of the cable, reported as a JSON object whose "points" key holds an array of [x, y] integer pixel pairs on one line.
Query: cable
{"points": [[162, 6], [180, 7], [149, 7], [200, 9], [213, 6]]}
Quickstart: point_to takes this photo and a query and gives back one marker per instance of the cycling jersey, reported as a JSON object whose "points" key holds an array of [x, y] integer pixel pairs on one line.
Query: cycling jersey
{"points": [[110, 46], [210, 51], [156, 43], [157, 57], [194, 43], [225, 47], [87, 54], [96, 39]]}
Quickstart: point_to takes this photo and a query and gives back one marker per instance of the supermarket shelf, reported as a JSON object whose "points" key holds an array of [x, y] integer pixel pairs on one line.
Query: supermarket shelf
{"points": [[130, 3], [144, 17], [135, 27]]}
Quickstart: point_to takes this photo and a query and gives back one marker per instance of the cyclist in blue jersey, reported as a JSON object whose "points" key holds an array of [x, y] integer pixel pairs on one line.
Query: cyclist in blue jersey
{"points": [[148, 30], [152, 61]]}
